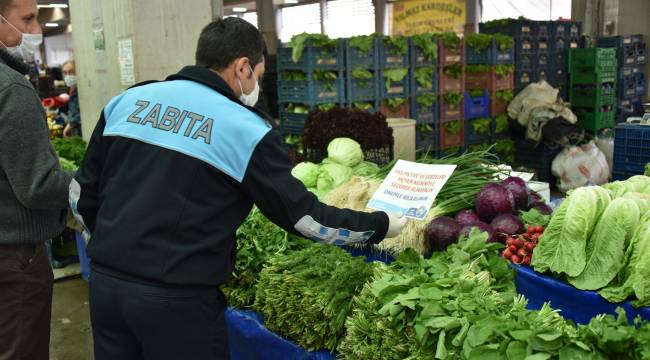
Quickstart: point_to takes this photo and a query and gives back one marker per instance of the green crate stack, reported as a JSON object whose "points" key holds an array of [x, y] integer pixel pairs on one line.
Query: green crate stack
{"points": [[592, 93]]}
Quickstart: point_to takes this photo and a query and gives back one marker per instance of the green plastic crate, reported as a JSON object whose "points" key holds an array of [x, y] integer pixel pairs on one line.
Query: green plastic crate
{"points": [[595, 121], [592, 96], [591, 77], [592, 58]]}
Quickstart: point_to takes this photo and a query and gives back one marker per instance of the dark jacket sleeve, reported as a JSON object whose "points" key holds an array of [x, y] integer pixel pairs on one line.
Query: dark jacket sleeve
{"points": [[86, 200], [26, 154], [285, 201]]}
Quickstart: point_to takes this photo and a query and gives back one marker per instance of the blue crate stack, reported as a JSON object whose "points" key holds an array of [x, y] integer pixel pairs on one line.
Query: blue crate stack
{"points": [[540, 50], [315, 80], [631, 83], [394, 59], [362, 92]]}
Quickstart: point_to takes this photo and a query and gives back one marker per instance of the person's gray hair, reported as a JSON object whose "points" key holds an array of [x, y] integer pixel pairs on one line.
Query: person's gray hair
{"points": [[71, 61]]}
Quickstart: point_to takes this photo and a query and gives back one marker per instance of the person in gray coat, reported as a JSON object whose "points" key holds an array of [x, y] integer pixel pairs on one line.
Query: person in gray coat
{"points": [[33, 192]]}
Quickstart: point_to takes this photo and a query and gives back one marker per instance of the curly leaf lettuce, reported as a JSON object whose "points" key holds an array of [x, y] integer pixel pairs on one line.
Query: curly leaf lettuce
{"points": [[562, 248], [606, 247]]}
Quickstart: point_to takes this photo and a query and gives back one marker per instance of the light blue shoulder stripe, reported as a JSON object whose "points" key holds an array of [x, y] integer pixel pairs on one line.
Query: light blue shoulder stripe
{"points": [[189, 118]]}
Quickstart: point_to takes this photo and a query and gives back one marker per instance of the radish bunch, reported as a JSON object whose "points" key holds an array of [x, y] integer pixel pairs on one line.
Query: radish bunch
{"points": [[519, 248]]}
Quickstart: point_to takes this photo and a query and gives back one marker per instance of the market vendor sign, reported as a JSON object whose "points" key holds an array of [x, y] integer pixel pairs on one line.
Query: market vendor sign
{"points": [[428, 16], [411, 188]]}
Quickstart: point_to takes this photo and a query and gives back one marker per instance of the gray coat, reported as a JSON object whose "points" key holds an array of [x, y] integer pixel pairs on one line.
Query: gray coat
{"points": [[33, 188]]}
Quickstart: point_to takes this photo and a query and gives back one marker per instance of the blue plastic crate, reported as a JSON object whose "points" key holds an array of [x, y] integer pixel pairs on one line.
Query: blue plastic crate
{"points": [[396, 89], [477, 107], [631, 145], [542, 28], [418, 58], [423, 115], [389, 57], [291, 123], [473, 137], [542, 44], [357, 58], [558, 77], [362, 90], [525, 45], [375, 106], [427, 139], [311, 91], [417, 89], [626, 86], [313, 57], [619, 41], [519, 27], [527, 61], [565, 28], [640, 54], [523, 79], [559, 59], [491, 55], [543, 61], [640, 85]]}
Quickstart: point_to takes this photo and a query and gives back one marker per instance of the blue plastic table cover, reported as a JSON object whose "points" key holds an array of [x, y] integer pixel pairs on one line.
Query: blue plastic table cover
{"points": [[250, 340], [577, 305]]}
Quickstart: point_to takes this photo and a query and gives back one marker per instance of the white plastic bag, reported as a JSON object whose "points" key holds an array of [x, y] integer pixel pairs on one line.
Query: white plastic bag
{"points": [[578, 166], [606, 145]]}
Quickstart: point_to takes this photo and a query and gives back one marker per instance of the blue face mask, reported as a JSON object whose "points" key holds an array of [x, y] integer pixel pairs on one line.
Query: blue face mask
{"points": [[28, 46], [250, 99]]}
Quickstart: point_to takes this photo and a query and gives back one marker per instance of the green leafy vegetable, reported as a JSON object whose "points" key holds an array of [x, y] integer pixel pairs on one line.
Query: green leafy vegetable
{"points": [[331, 176], [647, 169], [481, 126], [364, 76], [398, 43], [453, 127], [297, 43], [454, 71], [478, 42], [561, 249], [475, 69], [72, 148], [476, 93], [364, 106], [501, 71], [504, 42], [345, 151], [426, 99], [505, 95], [606, 246], [365, 169], [297, 109], [501, 124], [424, 76], [326, 107], [395, 103], [534, 218], [67, 164], [428, 44], [506, 149], [306, 295], [394, 76], [307, 173], [294, 75], [363, 43], [453, 99], [478, 147], [450, 39]]}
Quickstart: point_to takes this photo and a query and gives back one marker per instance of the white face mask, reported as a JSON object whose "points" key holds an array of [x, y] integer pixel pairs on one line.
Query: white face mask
{"points": [[70, 81], [250, 99], [28, 45]]}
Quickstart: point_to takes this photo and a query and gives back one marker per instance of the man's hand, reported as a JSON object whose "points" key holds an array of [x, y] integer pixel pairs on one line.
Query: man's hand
{"points": [[67, 131], [396, 222]]}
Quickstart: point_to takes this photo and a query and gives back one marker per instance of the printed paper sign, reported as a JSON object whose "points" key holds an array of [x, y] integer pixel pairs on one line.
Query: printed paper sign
{"points": [[411, 188]]}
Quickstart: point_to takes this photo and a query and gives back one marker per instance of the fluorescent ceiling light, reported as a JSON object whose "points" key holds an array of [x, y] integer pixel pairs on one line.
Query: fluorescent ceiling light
{"points": [[239, 9], [290, 1], [51, 25], [53, 6]]}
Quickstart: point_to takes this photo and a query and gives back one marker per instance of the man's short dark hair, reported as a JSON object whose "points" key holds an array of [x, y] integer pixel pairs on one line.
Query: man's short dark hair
{"points": [[224, 40], [4, 5]]}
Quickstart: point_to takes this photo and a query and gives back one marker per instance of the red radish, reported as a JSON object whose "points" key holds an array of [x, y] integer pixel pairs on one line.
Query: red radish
{"points": [[519, 243], [516, 259], [513, 249], [530, 247], [510, 241], [522, 253], [507, 254], [526, 260]]}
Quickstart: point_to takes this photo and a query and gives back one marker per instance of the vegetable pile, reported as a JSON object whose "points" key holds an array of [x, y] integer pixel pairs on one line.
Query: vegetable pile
{"points": [[597, 240], [306, 295], [71, 151], [297, 44], [647, 169], [258, 239]]}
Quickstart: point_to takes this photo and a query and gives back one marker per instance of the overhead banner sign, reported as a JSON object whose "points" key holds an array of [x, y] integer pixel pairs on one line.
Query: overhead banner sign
{"points": [[412, 17], [410, 188]]}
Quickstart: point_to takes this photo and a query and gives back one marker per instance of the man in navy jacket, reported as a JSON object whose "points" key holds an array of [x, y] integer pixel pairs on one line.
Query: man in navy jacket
{"points": [[172, 170]]}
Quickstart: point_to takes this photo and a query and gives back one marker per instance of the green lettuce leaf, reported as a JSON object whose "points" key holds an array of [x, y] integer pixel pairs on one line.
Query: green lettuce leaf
{"points": [[606, 247]]}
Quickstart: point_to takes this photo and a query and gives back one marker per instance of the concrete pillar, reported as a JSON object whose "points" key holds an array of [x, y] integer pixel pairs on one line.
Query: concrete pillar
{"points": [[380, 16], [217, 9], [162, 34], [267, 24]]}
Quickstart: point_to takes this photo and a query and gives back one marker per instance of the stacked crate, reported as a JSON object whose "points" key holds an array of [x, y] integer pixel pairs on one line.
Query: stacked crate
{"points": [[540, 49], [631, 82], [631, 154], [394, 80], [316, 80], [489, 83], [424, 91], [593, 87], [452, 90], [362, 73]]}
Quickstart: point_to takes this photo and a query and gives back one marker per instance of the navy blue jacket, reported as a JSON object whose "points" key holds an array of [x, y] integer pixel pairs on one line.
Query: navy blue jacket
{"points": [[172, 170]]}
